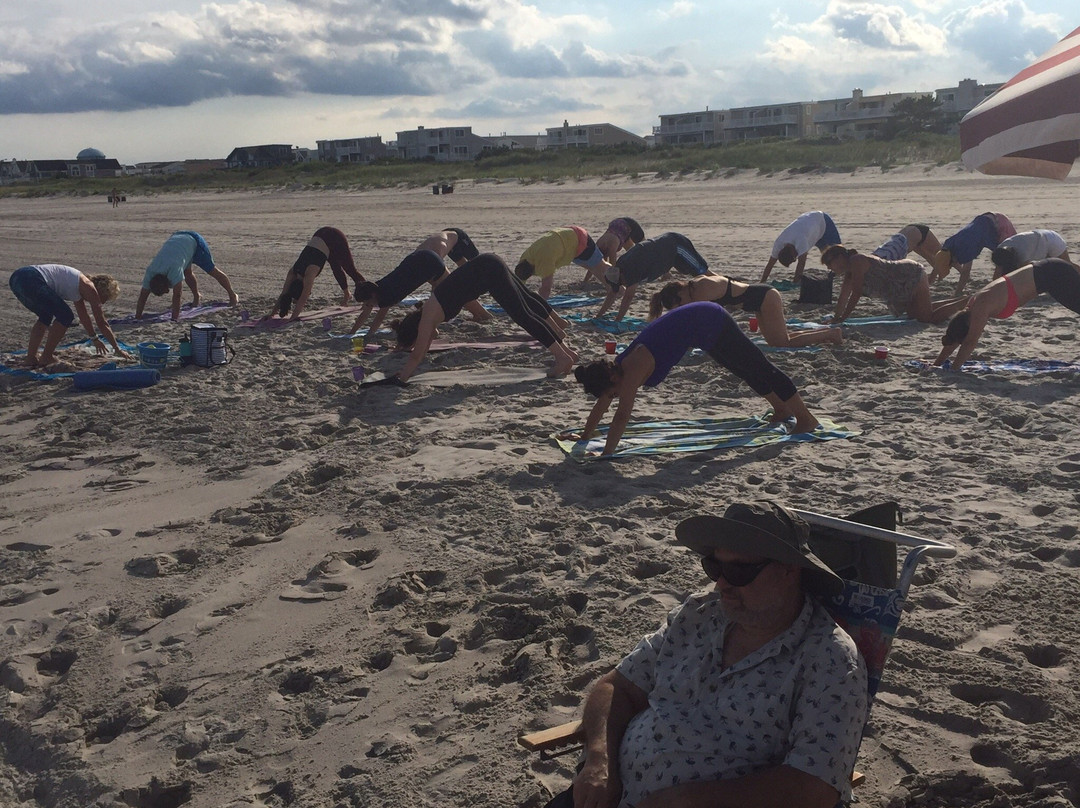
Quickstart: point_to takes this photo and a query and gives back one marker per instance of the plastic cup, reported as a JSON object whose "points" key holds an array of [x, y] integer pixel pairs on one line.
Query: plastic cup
{"points": [[753, 323], [609, 346], [326, 323], [358, 374], [881, 352], [358, 344]]}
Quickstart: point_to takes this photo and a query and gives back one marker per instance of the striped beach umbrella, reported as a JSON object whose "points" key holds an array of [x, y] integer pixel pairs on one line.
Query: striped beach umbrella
{"points": [[1031, 126]]}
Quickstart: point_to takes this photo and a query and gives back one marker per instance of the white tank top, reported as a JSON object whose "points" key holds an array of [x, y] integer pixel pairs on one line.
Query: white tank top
{"points": [[61, 279]]}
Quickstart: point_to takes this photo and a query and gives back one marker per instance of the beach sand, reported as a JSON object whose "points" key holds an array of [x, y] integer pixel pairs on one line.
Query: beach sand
{"points": [[260, 585]]}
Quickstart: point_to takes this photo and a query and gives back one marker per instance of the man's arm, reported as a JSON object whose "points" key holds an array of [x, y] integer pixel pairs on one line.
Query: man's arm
{"points": [[800, 265], [144, 295], [768, 269], [610, 705], [177, 296], [607, 302]]}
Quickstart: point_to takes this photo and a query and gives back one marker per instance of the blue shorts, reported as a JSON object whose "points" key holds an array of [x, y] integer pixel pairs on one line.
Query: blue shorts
{"points": [[832, 235], [895, 249], [202, 258], [33, 292], [589, 257]]}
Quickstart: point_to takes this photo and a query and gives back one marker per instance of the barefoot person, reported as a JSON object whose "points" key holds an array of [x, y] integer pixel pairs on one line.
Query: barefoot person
{"points": [[902, 284], [485, 274], [453, 243], [1001, 297], [759, 298], [812, 229], [621, 234], [649, 261], [46, 289], [327, 244], [985, 232], [172, 266], [659, 347]]}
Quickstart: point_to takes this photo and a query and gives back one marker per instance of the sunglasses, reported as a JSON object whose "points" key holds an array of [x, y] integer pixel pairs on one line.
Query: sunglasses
{"points": [[736, 573]]}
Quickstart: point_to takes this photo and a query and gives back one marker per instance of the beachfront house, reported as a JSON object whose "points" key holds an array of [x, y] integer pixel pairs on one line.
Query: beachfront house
{"points": [[266, 156], [790, 120], [677, 129], [352, 150], [858, 117], [585, 135], [444, 144]]}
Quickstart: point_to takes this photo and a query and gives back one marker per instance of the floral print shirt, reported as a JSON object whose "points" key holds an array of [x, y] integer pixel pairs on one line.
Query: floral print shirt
{"points": [[800, 700]]}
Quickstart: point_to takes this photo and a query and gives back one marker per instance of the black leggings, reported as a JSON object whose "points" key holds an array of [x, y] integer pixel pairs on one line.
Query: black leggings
{"points": [[1060, 280], [735, 351], [488, 274]]}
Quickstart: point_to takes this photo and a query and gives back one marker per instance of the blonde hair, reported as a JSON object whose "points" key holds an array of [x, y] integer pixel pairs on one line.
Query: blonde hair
{"points": [[106, 286]]}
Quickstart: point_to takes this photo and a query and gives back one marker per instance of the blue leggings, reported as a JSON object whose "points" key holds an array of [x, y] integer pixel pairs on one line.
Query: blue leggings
{"points": [[736, 352], [33, 292]]}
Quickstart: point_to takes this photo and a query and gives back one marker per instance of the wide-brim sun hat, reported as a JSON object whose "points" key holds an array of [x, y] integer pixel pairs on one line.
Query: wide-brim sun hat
{"points": [[762, 529]]}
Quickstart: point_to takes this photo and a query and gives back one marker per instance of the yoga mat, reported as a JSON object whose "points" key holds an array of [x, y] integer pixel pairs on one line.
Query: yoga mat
{"points": [[187, 312], [565, 301], [706, 434], [624, 326], [123, 379], [486, 344], [467, 378], [86, 346], [853, 322], [1003, 365], [784, 286], [276, 323]]}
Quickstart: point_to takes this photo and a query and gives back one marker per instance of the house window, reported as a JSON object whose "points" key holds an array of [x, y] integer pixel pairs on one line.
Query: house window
{"points": [[461, 149], [459, 133], [598, 130]]}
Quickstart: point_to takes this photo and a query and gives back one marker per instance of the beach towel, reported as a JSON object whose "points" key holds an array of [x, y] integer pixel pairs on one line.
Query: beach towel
{"points": [[784, 286], [624, 326], [565, 301], [87, 360], [469, 377], [853, 322], [187, 312], [1003, 365], [488, 343], [317, 314], [668, 437]]}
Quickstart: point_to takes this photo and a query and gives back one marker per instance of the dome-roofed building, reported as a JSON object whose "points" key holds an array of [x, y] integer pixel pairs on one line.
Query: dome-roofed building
{"points": [[91, 154]]}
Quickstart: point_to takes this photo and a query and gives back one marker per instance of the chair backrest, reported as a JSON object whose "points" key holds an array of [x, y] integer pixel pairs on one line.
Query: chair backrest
{"points": [[862, 549]]}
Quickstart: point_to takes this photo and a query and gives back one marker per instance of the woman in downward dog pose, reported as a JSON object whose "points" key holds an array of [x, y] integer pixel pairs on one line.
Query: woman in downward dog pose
{"points": [[486, 274], [1001, 297], [761, 298], [659, 347], [327, 244]]}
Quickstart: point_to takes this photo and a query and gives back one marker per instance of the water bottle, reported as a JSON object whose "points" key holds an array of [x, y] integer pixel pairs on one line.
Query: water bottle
{"points": [[185, 351]]}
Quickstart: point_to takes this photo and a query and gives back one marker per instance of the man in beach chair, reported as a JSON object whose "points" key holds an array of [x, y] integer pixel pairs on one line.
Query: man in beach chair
{"points": [[751, 693]]}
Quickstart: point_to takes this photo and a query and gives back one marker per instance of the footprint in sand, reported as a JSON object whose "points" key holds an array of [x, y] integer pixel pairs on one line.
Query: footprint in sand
{"points": [[17, 595], [100, 533], [328, 579], [27, 547]]}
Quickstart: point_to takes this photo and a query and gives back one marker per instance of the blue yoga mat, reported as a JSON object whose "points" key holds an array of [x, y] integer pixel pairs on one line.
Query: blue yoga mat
{"points": [[851, 322], [1003, 365], [623, 326], [564, 301], [122, 379], [706, 434]]}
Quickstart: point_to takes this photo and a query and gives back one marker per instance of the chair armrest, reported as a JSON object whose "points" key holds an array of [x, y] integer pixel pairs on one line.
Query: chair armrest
{"points": [[553, 738]]}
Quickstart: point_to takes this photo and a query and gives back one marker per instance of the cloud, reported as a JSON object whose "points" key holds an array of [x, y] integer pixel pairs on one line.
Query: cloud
{"points": [[1003, 34], [541, 106], [882, 27], [680, 8], [282, 48]]}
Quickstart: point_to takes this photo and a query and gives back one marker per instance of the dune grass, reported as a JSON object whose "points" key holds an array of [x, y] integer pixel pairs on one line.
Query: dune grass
{"points": [[766, 156]]}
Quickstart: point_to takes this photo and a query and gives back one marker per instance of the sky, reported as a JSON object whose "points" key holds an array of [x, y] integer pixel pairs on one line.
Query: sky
{"points": [[146, 80]]}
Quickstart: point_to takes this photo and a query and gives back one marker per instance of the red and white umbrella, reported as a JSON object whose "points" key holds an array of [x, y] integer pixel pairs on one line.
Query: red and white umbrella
{"points": [[1031, 126]]}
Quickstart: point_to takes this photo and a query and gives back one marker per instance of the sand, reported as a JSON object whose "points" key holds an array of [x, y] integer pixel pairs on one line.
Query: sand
{"points": [[260, 585]]}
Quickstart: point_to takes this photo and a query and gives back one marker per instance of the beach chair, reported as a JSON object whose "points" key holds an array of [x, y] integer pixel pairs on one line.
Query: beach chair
{"points": [[863, 550]]}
